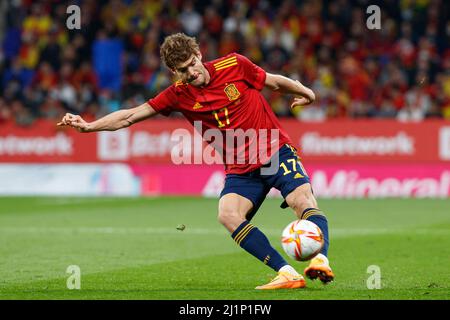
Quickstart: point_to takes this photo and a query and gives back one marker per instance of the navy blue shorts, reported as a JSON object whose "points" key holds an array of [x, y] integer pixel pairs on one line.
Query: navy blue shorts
{"points": [[255, 186]]}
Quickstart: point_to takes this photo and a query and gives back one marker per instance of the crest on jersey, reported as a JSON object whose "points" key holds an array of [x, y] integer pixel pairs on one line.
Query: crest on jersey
{"points": [[197, 105], [232, 92]]}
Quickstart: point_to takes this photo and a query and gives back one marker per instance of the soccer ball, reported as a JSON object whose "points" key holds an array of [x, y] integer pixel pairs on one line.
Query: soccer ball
{"points": [[302, 240]]}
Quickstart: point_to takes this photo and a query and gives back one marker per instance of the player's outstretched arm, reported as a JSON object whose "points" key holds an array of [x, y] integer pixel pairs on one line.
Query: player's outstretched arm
{"points": [[111, 122], [304, 95]]}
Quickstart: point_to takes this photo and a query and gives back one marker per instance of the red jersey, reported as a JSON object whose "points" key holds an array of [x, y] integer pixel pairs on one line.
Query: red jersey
{"points": [[232, 104]]}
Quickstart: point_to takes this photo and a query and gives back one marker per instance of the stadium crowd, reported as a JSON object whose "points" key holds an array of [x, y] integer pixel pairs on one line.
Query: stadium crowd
{"points": [[399, 71]]}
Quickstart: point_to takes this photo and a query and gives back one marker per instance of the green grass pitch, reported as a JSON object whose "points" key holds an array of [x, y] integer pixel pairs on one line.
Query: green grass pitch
{"points": [[130, 248]]}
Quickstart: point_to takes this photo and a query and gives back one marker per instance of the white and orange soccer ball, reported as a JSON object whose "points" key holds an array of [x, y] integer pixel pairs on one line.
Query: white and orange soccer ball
{"points": [[302, 240]]}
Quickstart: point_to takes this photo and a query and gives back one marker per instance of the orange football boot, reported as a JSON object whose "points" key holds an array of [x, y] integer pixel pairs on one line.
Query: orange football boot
{"points": [[284, 280], [319, 268]]}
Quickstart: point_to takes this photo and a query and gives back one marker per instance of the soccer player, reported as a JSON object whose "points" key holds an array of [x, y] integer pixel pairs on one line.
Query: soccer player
{"points": [[224, 94]]}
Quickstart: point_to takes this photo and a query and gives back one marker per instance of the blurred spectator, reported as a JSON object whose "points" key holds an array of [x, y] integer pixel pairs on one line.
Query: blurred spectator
{"points": [[85, 76], [21, 114], [29, 51], [213, 22], [38, 22], [191, 21], [5, 112], [45, 77], [228, 43], [51, 53], [417, 106], [65, 91], [52, 108], [17, 73]]}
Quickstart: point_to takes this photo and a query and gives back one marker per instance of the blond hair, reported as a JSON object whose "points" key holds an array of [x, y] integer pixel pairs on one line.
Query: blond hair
{"points": [[178, 48]]}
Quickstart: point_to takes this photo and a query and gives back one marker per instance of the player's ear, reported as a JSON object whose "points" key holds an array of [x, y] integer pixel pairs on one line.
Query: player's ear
{"points": [[199, 55]]}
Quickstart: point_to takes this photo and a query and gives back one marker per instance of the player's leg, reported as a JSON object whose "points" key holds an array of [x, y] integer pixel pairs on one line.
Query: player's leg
{"points": [[238, 203], [293, 182], [233, 209], [304, 204]]}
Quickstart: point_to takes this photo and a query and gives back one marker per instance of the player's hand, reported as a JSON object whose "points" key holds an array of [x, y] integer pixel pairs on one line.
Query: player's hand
{"points": [[300, 102], [306, 97], [74, 121]]}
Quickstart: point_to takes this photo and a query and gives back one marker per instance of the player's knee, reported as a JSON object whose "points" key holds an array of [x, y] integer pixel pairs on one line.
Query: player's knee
{"points": [[228, 216], [301, 199], [225, 216]]}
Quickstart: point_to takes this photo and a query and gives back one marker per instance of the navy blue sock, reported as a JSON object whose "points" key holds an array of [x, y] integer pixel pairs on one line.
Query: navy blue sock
{"points": [[252, 240], [317, 216]]}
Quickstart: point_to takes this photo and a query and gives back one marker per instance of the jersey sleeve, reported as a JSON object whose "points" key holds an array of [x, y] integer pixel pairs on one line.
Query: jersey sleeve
{"points": [[254, 75], [164, 102]]}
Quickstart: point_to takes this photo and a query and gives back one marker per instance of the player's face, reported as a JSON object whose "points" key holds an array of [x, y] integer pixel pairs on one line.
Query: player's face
{"points": [[193, 71]]}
